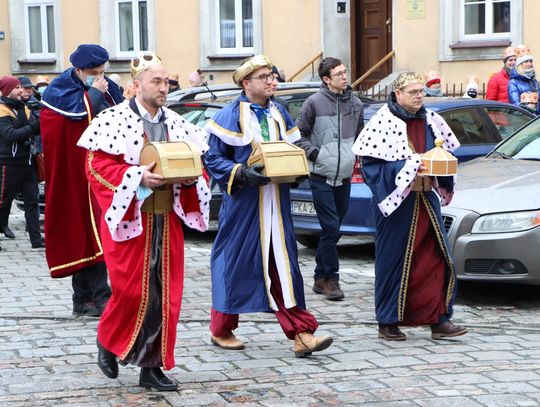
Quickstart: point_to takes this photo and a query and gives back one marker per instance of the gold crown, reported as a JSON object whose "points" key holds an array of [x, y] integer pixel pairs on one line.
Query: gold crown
{"points": [[407, 78], [143, 62], [250, 66]]}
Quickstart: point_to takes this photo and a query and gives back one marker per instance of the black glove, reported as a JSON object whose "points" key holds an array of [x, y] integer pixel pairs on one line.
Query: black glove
{"points": [[252, 174], [313, 155], [34, 123], [298, 181]]}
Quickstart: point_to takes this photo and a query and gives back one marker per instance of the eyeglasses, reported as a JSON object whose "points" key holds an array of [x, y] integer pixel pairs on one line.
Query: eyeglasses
{"points": [[265, 77], [340, 73], [418, 92]]}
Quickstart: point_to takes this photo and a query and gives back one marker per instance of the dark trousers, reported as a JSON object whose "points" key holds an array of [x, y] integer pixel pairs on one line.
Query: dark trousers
{"points": [[90, 284], [14, 178], [331, 204]]}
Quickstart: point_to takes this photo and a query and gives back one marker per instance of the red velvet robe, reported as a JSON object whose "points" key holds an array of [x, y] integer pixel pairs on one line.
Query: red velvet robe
{"points": [[70, 211], [129, 268], [426, 284]]}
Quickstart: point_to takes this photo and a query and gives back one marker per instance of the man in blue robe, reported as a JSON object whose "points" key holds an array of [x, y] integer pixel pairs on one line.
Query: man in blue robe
{"points": [[254, 259], [415, 280]]}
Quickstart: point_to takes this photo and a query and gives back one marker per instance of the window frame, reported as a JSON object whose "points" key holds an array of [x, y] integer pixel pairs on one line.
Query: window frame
{"points": [[42, 4], [453, 47], [135, 20], [211, 55], [489, 34], [239, 31]]}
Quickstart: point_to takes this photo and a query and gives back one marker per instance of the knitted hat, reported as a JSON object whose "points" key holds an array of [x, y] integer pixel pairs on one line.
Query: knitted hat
{"points": [[523, 58], [89, 56], [7, 84], [508, 53]]}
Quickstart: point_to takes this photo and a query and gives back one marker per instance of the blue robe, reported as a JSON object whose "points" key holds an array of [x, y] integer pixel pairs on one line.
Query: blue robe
{"points": [[240, 283], [396, 208]]}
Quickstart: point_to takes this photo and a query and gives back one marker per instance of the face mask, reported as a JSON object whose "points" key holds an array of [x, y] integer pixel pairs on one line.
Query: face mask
{"points": [[90, 80], [41, 89], [528, 71]]}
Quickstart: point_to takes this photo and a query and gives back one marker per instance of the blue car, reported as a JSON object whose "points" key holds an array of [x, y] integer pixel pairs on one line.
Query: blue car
{"points": [[479, 126]]}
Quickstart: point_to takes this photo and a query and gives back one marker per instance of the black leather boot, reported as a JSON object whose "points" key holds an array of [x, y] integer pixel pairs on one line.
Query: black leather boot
{"points": [[154, 377], [107, 362]]}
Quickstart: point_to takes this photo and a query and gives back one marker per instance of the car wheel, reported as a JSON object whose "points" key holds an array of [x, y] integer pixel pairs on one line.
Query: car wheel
{"points": [[311, 241]]}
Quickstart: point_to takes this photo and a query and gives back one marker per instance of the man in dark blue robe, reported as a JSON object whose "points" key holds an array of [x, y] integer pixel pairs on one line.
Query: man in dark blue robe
{"points": [[254, 258], [415, 280]]}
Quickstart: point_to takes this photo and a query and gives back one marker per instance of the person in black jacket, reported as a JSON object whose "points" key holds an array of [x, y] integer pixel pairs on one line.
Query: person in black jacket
{"points": [[17, 172]]}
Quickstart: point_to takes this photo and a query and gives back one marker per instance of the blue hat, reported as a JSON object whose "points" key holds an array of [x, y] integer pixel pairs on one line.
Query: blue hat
{"points": [[25, 82], [89, 56]]}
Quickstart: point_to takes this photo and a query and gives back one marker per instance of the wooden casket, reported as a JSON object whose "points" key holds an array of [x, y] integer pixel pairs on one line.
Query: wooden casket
{"points": [[283, 162], [176, 161]]}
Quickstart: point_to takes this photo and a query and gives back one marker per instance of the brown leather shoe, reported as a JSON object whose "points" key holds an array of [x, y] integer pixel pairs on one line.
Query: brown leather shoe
{"points": [[305, 343], [230, 342], [329, 287], [319, 286], [333, 290], [446, 330], [391, 333]]}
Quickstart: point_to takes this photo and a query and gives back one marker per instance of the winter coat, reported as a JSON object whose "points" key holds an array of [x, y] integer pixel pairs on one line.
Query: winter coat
{"points": [[329, 123], [497, 87], [519, 84], [17, 132]]}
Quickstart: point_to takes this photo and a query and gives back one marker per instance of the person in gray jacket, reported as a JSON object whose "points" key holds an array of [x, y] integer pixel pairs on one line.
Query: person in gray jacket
{"points": [[329, 122]]}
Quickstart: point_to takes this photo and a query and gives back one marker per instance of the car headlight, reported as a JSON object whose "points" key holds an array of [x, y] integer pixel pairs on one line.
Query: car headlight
{"points": [[506, 222]]}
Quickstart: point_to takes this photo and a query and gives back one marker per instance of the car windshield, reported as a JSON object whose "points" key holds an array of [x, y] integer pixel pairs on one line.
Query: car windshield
{"points": [[523, 145]]}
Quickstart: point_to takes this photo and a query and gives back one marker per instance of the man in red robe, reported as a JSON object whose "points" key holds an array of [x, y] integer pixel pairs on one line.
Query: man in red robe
{"points": [[141, 226], [73, 245]]}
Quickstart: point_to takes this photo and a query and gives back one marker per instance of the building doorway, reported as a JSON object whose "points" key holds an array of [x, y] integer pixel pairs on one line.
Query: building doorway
{"points": [[371, 39]]}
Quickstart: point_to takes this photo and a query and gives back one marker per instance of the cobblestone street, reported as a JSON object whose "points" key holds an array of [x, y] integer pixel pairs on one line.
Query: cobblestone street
{"points": [[48, 357]]}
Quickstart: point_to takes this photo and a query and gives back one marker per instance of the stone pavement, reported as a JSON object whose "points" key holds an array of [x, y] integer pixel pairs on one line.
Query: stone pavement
{"points": [[47, 357]]}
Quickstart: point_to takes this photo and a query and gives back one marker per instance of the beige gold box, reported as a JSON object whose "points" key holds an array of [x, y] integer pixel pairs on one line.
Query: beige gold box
{"points": [[438, 161], [176, 161], [283, 162]]}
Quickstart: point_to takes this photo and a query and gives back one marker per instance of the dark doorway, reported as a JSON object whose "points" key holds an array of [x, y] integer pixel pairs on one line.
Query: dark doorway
{"points": [[371, 38]]}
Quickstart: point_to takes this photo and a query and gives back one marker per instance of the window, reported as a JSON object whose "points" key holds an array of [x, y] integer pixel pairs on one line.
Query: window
{"points": [[132, 26], [507, 120], [468, 126], [486, 18], [230, 30], [127, 28], [235, 22], [39, 23], [472, 30]]}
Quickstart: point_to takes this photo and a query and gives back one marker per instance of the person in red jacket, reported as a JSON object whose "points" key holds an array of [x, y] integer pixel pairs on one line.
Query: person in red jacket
{"points": [[497, 87]]}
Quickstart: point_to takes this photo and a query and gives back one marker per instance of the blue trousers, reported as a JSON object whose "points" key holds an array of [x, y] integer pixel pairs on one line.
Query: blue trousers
{"points": [[331, 204]]}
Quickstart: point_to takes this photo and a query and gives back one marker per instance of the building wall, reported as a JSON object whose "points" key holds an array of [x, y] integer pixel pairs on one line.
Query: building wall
{"points": [[416, 42], [177, 36], [291, 33], [80, 25], [5, 44]]}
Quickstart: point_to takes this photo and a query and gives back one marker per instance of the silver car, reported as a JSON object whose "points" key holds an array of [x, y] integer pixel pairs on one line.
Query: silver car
{"points": [[493, 222]]}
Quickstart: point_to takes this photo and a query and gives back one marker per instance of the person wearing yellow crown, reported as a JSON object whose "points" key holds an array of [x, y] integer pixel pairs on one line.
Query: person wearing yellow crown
{"points": [[141, 225], [73, 245], [254, 259], [415, 280]]}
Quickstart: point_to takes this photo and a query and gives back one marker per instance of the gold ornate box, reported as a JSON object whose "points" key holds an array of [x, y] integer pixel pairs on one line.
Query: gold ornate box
{"points": [[176, 161], [438, 161], [283, 162]]}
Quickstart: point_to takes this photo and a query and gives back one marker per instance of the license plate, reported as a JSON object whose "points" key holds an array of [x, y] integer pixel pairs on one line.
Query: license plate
{"points": [[303, 208]]}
